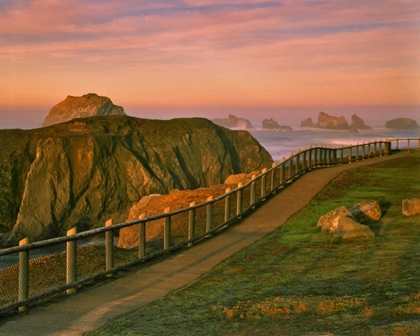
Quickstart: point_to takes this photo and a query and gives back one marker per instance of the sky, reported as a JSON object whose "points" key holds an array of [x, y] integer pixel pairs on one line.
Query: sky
{"points": [[253, 58]]}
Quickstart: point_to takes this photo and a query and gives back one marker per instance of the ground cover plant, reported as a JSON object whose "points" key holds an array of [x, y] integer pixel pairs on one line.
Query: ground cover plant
{"points": [[297, 281]]}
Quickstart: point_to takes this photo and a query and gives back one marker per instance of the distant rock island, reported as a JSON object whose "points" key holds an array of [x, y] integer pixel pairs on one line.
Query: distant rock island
{"points": [[402, 123], [271, 124], [88, 105], [325, 121], [233, 122], [85, 171]]}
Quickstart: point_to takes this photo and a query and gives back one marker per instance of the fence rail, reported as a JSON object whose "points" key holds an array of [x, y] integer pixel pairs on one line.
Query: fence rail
{"points": [[32, 272]]}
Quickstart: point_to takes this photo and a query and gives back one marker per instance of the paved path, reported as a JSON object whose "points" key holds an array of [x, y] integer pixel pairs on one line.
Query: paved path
{"points": [[91, 309]]}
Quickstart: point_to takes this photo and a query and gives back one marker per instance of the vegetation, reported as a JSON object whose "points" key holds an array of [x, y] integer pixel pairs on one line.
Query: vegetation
{"points": [[299, 282]]}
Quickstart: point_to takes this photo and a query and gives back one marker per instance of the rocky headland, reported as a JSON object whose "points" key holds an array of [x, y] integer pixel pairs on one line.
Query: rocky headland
{"points": [[85, 171], [88, 105], [325, 121], [233, 122], [402, 123]]}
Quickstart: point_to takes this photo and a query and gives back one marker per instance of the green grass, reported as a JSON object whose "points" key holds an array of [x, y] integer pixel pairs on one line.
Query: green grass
{"points": [[299, 282]]}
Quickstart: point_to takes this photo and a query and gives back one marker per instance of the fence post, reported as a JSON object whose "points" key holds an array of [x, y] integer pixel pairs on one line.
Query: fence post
{"points": [[167, 230], [282, 170], [350, 153], [71, 261], [374, 149], [273, 175], [227, 205], [109, 247], [363, 151], [297, 171], [23, 275], [397, 143], [290, 165], [357, 152], [239, 200], [310, 157], [191, 224], [142, 237], [252, 191], [388, 146], [316, 156], [263, 182], [209, 221], [328, 156]]}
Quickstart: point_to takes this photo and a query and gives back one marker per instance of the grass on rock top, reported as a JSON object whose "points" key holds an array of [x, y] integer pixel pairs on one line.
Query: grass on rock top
{"points": [[297, 281]]}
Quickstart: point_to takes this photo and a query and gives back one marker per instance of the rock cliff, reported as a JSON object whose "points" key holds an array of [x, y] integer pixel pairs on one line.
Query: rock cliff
{"points": [[88, 105], [402, 123], [307, 123], [233, 122], [85, 171]]}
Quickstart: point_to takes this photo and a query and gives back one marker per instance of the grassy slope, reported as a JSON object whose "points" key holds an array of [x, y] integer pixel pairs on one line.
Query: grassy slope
{"points": [[299, 282]]}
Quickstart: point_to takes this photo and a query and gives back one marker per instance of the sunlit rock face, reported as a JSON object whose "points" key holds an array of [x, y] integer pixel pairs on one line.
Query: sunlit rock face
{"points": [[411, 207], [402, 123], [83, 172], [233, 122], [85, 106]]}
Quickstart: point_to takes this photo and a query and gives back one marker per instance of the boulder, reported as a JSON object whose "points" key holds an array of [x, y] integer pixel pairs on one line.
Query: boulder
{"points": [[271, 124], [233, 122], [89, 105], [358, 123], [366, 212], [341, 223], [86, 171], [331, 122], [411, 207], [308, 123], [156, 204], [402, 123]]}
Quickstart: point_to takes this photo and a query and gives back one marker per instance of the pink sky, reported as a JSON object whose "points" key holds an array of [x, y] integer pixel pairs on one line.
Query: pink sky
{"points": [[209, 55]]}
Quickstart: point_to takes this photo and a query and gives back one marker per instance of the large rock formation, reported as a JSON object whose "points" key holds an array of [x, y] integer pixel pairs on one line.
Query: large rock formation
{"points": [[331, 122], [88, 105], [233, 122], [402, 123], [271, 124], [357, 123], [85, 171]]}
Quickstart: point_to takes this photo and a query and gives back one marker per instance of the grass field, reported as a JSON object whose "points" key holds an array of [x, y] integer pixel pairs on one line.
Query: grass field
{"points": [[299, 282]]}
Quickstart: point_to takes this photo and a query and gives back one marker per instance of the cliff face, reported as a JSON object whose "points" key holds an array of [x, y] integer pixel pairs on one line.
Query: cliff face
{"points": [[86, 171], [331, 122], [88, 105]]}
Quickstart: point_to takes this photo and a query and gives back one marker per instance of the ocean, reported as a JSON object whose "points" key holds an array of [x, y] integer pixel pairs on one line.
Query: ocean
{"points": [[281, 143]]}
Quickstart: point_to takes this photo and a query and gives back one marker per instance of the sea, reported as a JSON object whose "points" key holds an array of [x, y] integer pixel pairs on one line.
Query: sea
{"points": [[282, 143]]}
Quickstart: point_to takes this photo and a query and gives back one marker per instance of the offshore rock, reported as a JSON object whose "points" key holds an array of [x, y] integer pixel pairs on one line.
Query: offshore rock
{"points": [[358, 123], [402, 123], [271, 124], [331, 122], [88, 105], [233, 122], [86, 171], [308, 123]]}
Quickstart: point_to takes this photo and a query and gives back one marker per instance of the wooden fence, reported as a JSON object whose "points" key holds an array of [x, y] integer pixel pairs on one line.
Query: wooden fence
{"points": [[27, 277]]}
